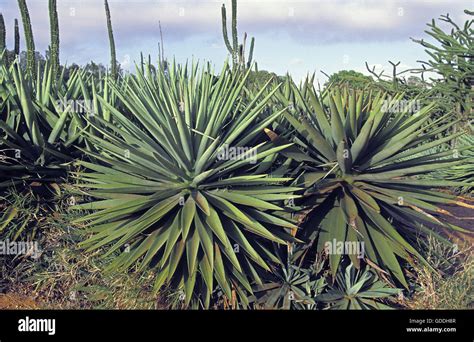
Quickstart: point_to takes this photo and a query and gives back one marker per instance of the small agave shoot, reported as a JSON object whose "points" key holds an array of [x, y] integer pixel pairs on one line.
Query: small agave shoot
{"points": [[165, 196], [360, 162], [292, 286], [355, 289]]}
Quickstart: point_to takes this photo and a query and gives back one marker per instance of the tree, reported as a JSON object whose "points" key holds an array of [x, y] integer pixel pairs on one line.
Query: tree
{"points": [[352, 78], [260, 77], [96, 70], [414, 81], [452, 58], [69, 70], [40, 60]]}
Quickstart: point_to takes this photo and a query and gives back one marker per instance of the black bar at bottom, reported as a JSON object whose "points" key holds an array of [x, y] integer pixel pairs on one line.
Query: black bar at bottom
{"points": [[455, 326]]}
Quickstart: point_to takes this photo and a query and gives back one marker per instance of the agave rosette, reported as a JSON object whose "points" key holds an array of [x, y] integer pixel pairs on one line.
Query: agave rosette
{"points": [[291, 286], [357, 289], [360, 160], [32, 137], [41, 118], [200, 220]]}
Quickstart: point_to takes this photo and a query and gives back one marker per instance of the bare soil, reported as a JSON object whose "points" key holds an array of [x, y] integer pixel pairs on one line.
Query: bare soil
{"points": [[12, 301]]}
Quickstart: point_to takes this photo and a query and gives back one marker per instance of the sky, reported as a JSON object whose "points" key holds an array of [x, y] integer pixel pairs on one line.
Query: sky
{"points": [[295, 36]]}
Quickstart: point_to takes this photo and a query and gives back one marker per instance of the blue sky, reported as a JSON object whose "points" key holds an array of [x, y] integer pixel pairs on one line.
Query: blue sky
{"points": [[298, 36]]}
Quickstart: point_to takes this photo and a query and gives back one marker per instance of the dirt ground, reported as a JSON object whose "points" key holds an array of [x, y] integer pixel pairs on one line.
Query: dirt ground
{"points": [[462, 216], [12, 301]]}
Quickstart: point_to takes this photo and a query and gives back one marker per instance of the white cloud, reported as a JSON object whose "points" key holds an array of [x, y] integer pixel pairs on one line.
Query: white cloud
{"points": [[296, 61], [311, 20]]}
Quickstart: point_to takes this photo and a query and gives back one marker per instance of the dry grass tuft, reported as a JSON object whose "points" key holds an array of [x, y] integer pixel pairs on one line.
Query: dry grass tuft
{"points": [[449, 288]]}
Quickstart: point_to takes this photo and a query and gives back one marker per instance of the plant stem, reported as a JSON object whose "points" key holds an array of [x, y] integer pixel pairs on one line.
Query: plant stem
{"points": [[30, 43], [113, 56], [54, 24]]}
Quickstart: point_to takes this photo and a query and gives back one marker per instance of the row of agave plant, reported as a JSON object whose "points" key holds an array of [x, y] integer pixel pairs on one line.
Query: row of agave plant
{"points": [[246, 231]]}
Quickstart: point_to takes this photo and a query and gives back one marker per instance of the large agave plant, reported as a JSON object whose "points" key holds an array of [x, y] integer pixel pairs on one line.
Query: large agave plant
{"points": [[360, 161], [31, 136], [33, 155], [41, 118], [37, 116], [168, 197]]}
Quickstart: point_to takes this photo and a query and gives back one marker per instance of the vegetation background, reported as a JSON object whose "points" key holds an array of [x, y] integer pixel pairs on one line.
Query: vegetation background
{"points": [[115, 176]]}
